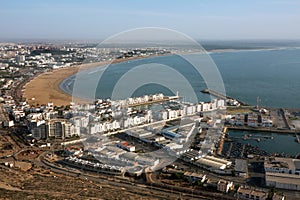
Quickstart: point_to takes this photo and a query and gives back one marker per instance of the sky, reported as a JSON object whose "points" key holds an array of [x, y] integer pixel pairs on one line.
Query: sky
{"points": [[200, 19]]}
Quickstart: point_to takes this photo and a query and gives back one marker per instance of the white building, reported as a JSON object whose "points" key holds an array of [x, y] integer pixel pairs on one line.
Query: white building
{"points": [[283, 173], [283, 165], [214, 163], [20, 59], [283, 181]]}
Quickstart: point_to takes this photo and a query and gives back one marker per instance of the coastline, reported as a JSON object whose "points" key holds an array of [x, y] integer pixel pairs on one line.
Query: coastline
{"points": [[45, 87]]}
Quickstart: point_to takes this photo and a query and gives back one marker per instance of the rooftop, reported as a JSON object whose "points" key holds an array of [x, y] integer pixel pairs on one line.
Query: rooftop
{"points": [[192, 174], [251, 192], [287, 163], [241, 165], [283, 178]]}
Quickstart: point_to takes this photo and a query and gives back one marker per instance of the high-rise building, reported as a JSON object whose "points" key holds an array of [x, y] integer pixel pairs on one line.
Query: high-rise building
{"points": [[39, 132], [55, 129], [61, 128], [20, 59]]}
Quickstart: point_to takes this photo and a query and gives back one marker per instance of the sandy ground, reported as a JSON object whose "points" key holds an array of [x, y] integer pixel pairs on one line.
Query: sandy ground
{"points": [[45, 87]]}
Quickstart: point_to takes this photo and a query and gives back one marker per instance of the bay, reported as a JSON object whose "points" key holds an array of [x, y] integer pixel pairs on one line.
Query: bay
{"points": [[273, 75]]}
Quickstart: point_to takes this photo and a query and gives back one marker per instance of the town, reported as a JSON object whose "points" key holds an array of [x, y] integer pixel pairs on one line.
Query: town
{"points": [[160, 142]]}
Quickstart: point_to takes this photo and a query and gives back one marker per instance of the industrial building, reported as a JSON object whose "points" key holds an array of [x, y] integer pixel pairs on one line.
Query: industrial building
{"points": [[212, 162], [283, 173], [241, 167], [283, 181]]}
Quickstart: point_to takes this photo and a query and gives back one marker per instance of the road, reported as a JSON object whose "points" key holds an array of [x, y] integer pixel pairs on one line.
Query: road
{"points": [[133, 187]]}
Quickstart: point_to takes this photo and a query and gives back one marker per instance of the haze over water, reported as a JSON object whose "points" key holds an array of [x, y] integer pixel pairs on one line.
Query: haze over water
{"points": [[273, 75]]}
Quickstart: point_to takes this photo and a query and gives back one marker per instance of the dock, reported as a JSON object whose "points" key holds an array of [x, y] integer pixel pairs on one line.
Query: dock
{"points": [[285, 118], [222, 96], [297, 138], [221, 141], [261, 129]]}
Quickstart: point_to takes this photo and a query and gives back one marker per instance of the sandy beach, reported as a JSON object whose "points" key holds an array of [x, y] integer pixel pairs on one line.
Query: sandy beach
{"points": [[45, 87]]}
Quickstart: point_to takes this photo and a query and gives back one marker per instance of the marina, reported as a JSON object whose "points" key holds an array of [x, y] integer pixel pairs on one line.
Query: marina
{"points": [[242, 143]]}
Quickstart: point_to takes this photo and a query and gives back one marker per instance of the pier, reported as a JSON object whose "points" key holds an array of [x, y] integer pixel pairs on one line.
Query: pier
{"points": [[261, 129], [285, 119], [221, 141], [297, 138], [222, 96]]}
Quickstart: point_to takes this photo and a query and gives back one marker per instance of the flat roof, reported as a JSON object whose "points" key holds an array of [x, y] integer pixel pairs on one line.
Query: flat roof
{"points": [[287, 163], [211, 163], [193, 174], [283, 178], [252, 192], [219, 160], [241, 165], [277, 196]]}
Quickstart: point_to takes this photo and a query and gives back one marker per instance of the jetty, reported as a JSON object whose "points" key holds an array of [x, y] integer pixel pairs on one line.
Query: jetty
{"points": [[222, 96], [297, 138], [261, 129], [285, 118], [221, 141]]}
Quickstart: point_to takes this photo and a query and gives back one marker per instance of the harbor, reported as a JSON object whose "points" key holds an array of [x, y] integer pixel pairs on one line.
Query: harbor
{"points": [[241, 144], [257, 131]]}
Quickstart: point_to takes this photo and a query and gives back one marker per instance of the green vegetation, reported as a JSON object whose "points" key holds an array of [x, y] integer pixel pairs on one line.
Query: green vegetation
{"points": [[236, 187], [293, 118], [177, 175], [272, 191]]}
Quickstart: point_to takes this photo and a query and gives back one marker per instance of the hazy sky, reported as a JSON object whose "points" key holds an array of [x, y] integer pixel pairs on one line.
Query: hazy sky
{"points": [[200, 19]]}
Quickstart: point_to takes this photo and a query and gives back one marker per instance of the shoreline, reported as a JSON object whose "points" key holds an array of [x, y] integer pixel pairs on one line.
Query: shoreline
{"points": [[45, 87], [48, 83]]}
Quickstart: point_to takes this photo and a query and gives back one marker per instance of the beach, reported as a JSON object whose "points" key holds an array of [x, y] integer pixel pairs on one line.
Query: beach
{"points": [[45, 87]]}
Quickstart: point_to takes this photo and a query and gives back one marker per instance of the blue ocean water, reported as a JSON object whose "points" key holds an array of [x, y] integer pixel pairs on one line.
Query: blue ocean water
{"points": [[273, 75]]}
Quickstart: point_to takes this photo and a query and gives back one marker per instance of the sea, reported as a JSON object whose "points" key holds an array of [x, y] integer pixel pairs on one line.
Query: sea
{"points": [[272, 74]]}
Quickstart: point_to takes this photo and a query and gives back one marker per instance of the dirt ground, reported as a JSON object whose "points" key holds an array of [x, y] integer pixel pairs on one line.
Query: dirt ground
{"points": [[30, 185]]}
